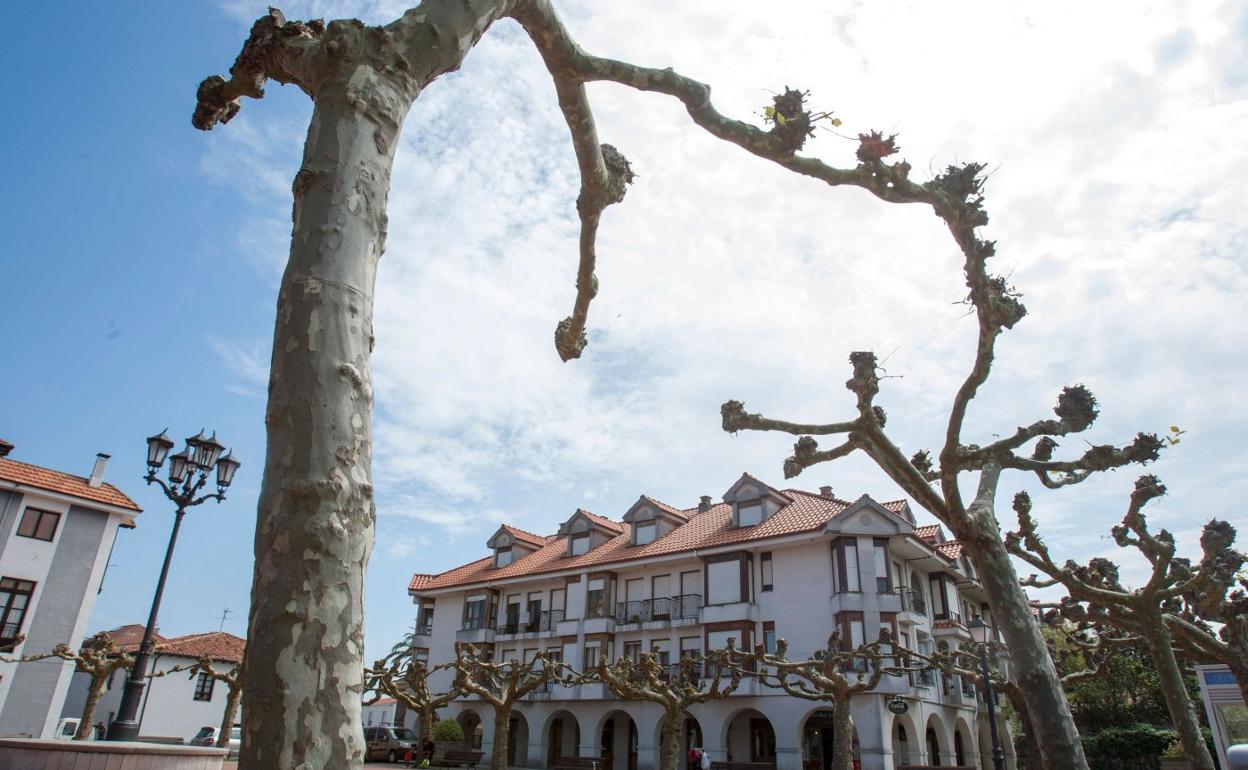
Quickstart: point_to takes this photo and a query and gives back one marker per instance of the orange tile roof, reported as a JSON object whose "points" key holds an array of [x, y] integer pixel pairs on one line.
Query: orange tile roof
{"points": [[526, 537], [216, 645], [614, 526], [713, 528], [64, 483], [668, 508], [927, 532], [127, 638], [950, 549]]}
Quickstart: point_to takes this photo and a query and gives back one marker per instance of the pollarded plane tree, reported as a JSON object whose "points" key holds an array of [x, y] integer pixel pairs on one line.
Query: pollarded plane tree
{"points": [[98, 658], [834, 675], [674, 687], [232, 678], [1220, 598], [404, 677], [315, 521], [1096, 594], [957, 198], [502, 684]]}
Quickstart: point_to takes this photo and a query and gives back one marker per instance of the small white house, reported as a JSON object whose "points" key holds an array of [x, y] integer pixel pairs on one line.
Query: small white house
{"points": [[380, 713], [174, 706]]}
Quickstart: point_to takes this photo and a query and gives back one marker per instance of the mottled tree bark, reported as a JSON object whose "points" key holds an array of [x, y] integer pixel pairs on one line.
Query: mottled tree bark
{"points": [[669, 752], [86, 721], [1174, 690], [232, 700]]}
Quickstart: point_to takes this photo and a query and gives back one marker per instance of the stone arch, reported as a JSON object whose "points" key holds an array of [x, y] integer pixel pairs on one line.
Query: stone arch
{"points": [[935, 740], [562, 734], [814, 732], [472, 725], [747, 735], [985, 743], [964, 744], [908, 746], [517, 739], [617, 735]]}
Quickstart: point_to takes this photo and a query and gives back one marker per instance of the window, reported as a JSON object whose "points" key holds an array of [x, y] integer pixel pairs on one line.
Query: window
{"points": [[535, 612], [765, 562], [580, 544], [883, 581], [644, 533], [723, 581], [14, 600], [592, 654], [660, 597], [595, 599], [502, 556], [555, 654], [749, 514], [769, 636], [421, 655], [940, 607], [474, 612], [41, 525], [507, 656], [845, 565], [203, 687], [511, 623], [424, 619], [632, 651], [659, 648]]}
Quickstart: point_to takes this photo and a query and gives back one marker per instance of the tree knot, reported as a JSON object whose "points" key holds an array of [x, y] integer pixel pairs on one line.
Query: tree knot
{"points": [[875, 146], [619, 173], [1076, 407], [567, 343]]}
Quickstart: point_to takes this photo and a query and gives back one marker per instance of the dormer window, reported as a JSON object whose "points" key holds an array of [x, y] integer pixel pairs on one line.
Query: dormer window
{"points": [[644, 533], [749, 513], [502, 556], [580, 544]]}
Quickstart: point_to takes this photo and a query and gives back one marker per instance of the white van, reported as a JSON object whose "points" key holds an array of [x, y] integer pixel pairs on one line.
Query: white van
{"points": [[66, 729]]}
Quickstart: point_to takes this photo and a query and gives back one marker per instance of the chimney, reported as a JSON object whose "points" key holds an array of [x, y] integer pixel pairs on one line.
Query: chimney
{"points": [[97, 473], [825, 492], [704, 504], [5, 448]]}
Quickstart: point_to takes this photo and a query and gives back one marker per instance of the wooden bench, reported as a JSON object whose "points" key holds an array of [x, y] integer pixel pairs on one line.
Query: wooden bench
{"points": [[460, 758], [576, 763], [742, 766]]}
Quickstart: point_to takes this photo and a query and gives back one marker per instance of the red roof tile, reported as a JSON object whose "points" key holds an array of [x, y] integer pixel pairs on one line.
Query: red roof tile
{"points": [[668, 508], [419, 580], [927, 531], [216, 645], [526, 537], [950, 549], [614, 526], [127, 638], [64, 483], [710, 529]]}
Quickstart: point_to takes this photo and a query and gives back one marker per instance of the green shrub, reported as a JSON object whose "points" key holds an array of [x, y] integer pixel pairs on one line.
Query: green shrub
{"points": [[1125, 744], [448, 731]]}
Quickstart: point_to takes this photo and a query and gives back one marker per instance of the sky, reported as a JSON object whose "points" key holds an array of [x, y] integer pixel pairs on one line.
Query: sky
{"points": [[139, 262]]}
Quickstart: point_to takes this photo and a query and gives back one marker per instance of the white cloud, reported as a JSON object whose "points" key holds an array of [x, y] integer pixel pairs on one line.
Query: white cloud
{"points": [[1116, 197]]}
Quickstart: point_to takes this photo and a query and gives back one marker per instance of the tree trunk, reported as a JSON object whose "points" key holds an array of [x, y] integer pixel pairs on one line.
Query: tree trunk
{"points": [[502, 729], [1033, 669], [427, 715], [1031, 746], [302, 677], [1236, 636], [227, 719], [95, 691], [842, 734], [669, 752], [1174, 689]]}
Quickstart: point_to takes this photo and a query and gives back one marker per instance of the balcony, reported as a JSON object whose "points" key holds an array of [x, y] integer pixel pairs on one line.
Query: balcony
{"points": [[727, 613], [475, 631], [950, 625], [924, 680], [913, 608], [968, 690], [544, 623], [657, 613], [424, 629]]}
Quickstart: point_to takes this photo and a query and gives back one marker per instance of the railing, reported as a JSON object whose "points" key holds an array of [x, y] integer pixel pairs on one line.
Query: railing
{"points": [[425, 629], [925, 678], [968, 689], [509, 626], [472, 624], [545, 621], [666, 608], [912, 601]]}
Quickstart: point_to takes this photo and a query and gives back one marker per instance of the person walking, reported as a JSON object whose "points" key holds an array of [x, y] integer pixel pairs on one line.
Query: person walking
{"points": [[706, 761]]}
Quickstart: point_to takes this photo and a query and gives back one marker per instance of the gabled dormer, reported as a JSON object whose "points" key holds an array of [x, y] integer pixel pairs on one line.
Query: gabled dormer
{"points": [[753, 501], [652, 519], [586, 531], [865, 516], [511, 544]]}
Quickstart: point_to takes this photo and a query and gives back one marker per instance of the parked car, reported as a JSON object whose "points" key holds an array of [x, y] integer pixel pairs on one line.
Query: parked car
{"points": [[389, 742], [66, 729], [207, 736]]}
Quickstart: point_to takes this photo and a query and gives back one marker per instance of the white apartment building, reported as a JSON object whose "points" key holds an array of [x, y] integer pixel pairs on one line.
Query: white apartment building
{"points": [[763, 564], [56, 533]]}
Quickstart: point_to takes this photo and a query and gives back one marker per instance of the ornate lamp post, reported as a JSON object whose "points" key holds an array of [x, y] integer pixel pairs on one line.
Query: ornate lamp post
{"points": [[980, 632], [188, 473]]}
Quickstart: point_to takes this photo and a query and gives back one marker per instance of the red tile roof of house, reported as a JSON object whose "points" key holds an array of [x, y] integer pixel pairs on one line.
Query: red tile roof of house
{"points": [[525, 537], [927, 531], [713, 528], [614, 526], [950, 549], [669, 508], [64, 483], [216, 645], [127, 638], [946, 624]]}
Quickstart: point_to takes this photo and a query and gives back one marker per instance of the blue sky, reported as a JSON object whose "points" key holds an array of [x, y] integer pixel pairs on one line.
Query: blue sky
{"points": [[140, 259]]}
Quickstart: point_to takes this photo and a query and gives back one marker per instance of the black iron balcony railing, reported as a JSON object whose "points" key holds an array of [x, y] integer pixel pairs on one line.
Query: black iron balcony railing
{"points": [[424, 629], [471, 624], [544, 621], [665, 608], [912, 601]]}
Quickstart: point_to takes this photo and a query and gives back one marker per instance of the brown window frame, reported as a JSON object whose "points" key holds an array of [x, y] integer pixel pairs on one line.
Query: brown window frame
{"points": [[30, 526], [204, 686], [765, 561], [14, 587]]}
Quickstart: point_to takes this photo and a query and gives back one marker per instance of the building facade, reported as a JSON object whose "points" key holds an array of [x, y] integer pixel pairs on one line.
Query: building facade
{"points": [[760, 565], [56, 534], [176, 704]]}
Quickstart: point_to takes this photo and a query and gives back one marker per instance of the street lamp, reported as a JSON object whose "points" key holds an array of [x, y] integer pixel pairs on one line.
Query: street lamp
{"points": [[188, 473], [980, 632]]}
